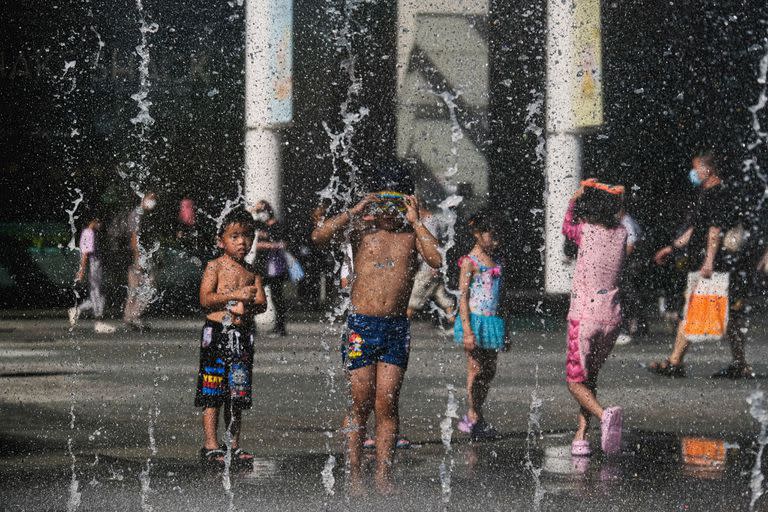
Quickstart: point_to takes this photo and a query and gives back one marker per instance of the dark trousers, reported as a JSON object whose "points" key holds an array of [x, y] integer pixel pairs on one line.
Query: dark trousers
{"points": [[276, 288]]}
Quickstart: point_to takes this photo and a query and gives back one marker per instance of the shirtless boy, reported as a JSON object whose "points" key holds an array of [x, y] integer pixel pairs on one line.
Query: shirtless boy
{"points": [[231, 293], [387, 236]]}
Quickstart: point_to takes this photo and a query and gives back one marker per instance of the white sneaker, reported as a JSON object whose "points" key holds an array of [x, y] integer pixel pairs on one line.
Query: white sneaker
{"points": [[74, 314], [624, 339], [103, 328]]}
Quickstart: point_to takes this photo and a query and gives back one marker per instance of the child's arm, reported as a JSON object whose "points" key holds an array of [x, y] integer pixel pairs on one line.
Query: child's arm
{"points": [[426, 243], [211, 300], [325, 230], [571, 228], [467, 268]]}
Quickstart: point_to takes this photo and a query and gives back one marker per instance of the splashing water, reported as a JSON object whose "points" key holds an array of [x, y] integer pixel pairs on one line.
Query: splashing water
{"points": [[456, 132], [758, 411], [533, 126], [101, 44], [448, 205], [72, 245], [145, 476], [329, 481], [446, 434], [143, 118], [531, 441], [73, 503], [226, 476], [341, 189]]}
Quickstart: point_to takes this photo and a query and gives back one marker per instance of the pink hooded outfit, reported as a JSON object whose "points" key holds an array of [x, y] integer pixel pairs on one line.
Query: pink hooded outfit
{"points": [[594, 317]]}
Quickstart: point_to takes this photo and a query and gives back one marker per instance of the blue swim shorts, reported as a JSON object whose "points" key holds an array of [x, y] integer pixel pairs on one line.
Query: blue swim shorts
{"points": [[374, 339]]}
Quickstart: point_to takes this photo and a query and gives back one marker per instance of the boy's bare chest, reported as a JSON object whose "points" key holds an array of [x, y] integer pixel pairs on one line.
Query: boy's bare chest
{"points": [[232, 278], [385, 249]]}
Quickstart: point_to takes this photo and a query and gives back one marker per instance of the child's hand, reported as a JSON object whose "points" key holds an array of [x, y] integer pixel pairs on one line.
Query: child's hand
{"points": [[412, 209], [80, 275], [359, 208], [238, 309], [579, 192], [246, 294], [469, 341]]}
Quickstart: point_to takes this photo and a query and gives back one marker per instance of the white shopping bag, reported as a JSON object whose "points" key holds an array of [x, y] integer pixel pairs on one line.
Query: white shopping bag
{"points": [[265, 322]]}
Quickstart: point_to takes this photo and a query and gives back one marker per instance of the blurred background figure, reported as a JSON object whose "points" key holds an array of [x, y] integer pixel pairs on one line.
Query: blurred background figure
{"points": [[631, 304], [187, 234], [141, 273], [429, 283], [270, 258], [90, 257]]}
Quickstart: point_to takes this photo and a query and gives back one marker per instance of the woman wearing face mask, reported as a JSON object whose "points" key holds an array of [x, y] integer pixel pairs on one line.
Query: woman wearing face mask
{"points": [[270, 258], [706, 222]]}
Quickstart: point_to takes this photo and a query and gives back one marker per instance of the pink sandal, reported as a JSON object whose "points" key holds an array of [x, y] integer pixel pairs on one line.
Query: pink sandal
{"points": [[610, 430], [465, 425]]}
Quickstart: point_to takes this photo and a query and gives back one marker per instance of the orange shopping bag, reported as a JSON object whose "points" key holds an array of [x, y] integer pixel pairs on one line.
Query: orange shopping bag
{"points": [[706, 307]]}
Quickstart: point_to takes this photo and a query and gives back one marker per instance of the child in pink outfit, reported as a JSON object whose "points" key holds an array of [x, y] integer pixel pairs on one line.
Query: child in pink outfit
{"points": [[594, 318]]}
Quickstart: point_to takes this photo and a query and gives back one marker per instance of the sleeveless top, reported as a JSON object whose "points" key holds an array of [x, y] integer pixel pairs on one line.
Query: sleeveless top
{"points": [[485, 287]]}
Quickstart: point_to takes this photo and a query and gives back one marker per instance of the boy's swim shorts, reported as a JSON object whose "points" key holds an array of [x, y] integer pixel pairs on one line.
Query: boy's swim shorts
{"points": [[372, 339], [226, 364]]}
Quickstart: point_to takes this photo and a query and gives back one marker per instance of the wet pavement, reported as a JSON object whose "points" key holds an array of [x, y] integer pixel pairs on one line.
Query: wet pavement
{"points": [[690, 444]]}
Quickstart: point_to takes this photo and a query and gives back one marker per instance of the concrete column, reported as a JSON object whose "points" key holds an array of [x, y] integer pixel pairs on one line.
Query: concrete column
{"points": [[563, 162], [268, 96]]}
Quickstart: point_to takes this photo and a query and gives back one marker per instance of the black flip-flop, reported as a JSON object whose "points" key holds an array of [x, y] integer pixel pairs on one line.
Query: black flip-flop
{"points": [[214, 456], [667, 369]]}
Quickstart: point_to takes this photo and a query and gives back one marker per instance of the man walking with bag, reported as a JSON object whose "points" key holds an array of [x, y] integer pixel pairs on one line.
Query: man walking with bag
{"points": [[706, 224]]}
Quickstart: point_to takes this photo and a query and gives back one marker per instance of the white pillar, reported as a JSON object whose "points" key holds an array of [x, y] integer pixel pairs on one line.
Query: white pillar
{"points": [[263, 177], [563, 162], [268, 96]]}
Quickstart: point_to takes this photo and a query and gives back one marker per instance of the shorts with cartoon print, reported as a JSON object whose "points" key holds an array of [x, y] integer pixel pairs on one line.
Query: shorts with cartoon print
{"points": [[372, 339], [226, 365]]}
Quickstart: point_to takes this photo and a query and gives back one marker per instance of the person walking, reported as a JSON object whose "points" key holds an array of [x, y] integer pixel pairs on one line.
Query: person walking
{"points": [[706, 223], [141, 273], [270, 258], [90, 258]]}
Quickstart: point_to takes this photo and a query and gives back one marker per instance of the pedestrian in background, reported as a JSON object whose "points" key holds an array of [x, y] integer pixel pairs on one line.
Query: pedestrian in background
{"points": [[141, 273], [90, 258], [429, 283], [705, 226], [270, 258]]}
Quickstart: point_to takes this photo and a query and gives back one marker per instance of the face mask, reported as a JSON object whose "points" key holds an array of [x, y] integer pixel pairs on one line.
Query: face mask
{"points": [[150, 204], [261, 216], [693, 176]]}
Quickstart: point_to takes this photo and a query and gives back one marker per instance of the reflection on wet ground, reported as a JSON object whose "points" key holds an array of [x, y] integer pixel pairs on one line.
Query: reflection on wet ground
{"points": [[690, 444], [655, 471]]}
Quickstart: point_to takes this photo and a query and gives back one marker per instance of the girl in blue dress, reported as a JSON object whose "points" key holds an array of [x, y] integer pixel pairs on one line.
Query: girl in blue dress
{"points": [[477, 327]]}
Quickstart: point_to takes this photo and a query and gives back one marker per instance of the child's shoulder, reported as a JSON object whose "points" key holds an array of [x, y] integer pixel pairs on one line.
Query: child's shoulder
{"points": [[468, 260], [226, 266]]}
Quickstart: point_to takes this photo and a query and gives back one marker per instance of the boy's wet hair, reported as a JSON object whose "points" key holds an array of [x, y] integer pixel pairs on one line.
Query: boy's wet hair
{"points": [[238, 216], [394, 175], [481, 222], [597, 206]]}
